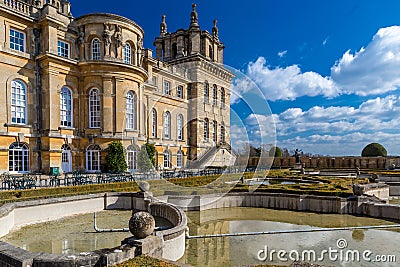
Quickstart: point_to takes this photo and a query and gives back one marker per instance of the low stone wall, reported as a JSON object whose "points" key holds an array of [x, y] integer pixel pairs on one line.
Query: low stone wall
{"points": [[319, 204], [171, 242]]}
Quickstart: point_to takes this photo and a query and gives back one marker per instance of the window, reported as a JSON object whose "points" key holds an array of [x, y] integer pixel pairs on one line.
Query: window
{"points": [[127, 54], [179, 92], [215, 92], [96, 54], [167, 90], [167, 125], [17, 40], [179, 159], [130, 110], [222, 134], [206, 129], [206, 92], [63, 49], [180, 127], [210, 52], [18, 158], [132, 154], [167, 159], [94, 109], [66, 107], [215, 131], [154, 123], [189, 91], [222, 98], [18, 102], [93, 158]]}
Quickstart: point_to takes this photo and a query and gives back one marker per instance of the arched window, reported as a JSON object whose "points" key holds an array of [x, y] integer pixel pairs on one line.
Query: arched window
{"points": [[167, 125], [18, 158], [174, 50], [94, 108], [66, 107], [127, 54], [215, 93], [18, 102], [154, 123], [206, 92], [206, 129], [222, 98], [179, 159], [180, 127], [167, 159], [93, 158], [130, 110], [215, 131], [131, 154], [222, 134], [96, 50]]}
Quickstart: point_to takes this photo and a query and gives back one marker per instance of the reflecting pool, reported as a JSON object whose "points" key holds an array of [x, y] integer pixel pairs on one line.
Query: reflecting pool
{"points": [[245, 250]]}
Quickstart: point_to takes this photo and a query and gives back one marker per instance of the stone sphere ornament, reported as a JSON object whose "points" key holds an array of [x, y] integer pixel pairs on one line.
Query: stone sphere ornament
{"points": [[142, 224], [144, 186]]}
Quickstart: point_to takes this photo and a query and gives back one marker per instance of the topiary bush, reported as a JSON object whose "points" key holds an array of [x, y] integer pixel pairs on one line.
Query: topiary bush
{"points": [[146, 157], [115, 159], [374, 150], [275, 152]]}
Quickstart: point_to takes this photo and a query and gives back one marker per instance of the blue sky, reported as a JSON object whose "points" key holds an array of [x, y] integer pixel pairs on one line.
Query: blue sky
{"points": [[330, 70]]}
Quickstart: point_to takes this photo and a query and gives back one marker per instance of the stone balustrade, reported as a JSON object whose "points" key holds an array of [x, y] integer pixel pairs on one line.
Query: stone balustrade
{"points": [[16, 5]]}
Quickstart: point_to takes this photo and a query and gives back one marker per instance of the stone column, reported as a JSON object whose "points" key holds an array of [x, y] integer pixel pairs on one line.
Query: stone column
{"points": [[108, 105], [120, 106]]}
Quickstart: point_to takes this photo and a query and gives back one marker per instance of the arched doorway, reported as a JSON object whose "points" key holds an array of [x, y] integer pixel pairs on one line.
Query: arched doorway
{"points": [[66, 158]]}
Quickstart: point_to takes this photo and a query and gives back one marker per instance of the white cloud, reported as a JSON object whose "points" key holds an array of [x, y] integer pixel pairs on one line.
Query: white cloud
{"points": [[282, 53], [289, 83], [372, 70], [336, 129]]}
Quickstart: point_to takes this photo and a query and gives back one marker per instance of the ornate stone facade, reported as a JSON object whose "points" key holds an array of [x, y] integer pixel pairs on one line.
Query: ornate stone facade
{"points": [[73, 85]]}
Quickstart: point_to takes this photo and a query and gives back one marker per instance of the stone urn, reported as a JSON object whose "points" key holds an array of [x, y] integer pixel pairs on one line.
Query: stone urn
{"points": [[142, 224]]}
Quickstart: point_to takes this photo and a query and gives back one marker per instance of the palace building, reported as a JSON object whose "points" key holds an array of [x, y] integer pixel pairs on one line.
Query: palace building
{"points": [[73, 85]]}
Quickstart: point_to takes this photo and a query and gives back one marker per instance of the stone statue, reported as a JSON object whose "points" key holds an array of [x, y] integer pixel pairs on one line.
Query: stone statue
{"points": [[297, 156], [140, 51], [81, 42], [118, 38], [107, 38]]}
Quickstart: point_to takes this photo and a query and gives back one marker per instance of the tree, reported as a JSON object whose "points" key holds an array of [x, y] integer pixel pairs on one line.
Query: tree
{"points": [[115, 159], [146, 157], [374, 150], [275, 152]]}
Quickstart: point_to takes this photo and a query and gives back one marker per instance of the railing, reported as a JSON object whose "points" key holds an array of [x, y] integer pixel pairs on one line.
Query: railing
{"points": [[16, 5]]}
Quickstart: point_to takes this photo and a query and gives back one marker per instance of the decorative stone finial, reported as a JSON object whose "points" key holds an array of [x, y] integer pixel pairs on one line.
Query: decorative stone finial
{"points": [[142, 224], [163, 26], [194, 17], [215, 29]]}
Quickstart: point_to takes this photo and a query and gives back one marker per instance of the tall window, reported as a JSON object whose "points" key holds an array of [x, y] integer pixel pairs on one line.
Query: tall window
{"points": [[206, 92], [18, 158], [179, 92], [127, 54], [167, 159], [96, 50], [93, 158], [94, 109], [206, 129], [222, 98], [215, 131], [189, 91], [18, 102], [130, 110], [215, 92], [154, 123], [167, 125], [179, 159], [63, 49], [131, 154], [17, 40], [222, 133], [66, 107], [167, 88], [180, 127]]}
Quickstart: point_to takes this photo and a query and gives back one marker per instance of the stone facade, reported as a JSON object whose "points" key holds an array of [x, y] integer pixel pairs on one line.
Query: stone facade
{"points": [[73, 85]]}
